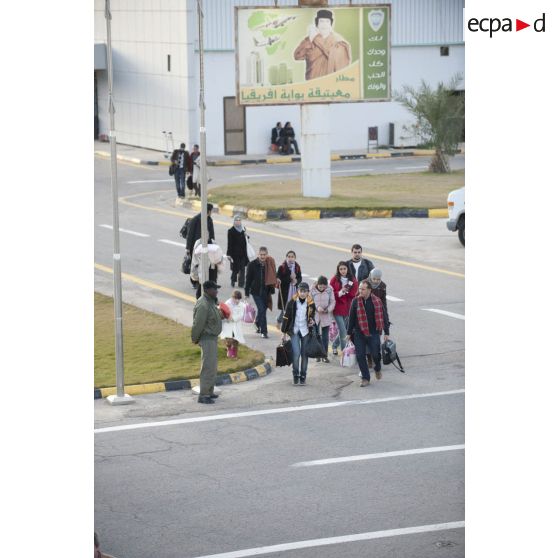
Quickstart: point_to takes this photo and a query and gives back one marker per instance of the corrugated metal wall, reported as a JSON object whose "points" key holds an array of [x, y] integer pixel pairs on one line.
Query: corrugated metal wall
{"points": [[414, 22]]}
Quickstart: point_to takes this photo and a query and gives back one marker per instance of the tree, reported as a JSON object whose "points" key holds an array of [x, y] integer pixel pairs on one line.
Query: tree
{"points": [[440, 115]]}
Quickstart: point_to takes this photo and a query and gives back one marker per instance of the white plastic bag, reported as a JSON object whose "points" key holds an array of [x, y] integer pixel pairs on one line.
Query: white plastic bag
{"points": [[250, 252], [348, 358]]}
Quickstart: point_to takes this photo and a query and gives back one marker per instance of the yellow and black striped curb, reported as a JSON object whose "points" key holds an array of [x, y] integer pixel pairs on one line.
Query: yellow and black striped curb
{"points": [[222, 380], [261, 215], [278, 159]]}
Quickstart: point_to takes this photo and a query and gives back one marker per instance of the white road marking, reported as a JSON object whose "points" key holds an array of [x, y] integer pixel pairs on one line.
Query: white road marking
{"points": [[149, 181], [278, 175], [394, 298], [366, 169], [312, 543], [125, 231], [405, 168], [376, 456], [226, 416], [445, 313], [174, 243]]}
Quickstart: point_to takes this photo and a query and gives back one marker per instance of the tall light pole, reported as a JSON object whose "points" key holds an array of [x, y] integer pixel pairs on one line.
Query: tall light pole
{"points": [[120, 398], [204, 276]]}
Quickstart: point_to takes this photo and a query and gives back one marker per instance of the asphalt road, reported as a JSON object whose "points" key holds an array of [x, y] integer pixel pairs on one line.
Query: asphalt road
{"points": [[252, 173], [223, 484]]}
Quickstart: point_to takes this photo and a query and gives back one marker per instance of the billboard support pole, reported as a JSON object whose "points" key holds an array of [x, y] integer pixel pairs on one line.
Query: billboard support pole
{"points": [[204, 275], [315, 144]]}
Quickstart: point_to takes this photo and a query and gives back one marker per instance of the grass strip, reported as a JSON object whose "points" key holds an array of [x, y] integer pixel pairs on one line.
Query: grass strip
{"points": [[156, 349], [379, 191]]}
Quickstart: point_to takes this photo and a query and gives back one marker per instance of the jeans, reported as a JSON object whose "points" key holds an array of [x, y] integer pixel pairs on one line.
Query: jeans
{"points": [[363, 343], [325, 336], [261, 318], [341, 322], [180, 181], [299, 354]]}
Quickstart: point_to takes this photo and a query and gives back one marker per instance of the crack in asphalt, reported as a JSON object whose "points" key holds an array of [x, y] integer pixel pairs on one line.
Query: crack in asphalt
{"points": [[340, 388]]}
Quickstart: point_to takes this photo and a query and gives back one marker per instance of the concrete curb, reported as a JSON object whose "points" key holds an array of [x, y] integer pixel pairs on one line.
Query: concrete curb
{"points": [[222, 380], [278, 159], [261, 215]]}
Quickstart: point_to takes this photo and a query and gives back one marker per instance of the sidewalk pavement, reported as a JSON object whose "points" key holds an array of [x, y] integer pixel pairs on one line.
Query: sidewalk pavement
{"points": [[144, 156]]}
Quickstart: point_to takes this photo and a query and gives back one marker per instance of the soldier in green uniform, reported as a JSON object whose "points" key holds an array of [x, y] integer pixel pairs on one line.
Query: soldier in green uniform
{"points": [[205, 331]]}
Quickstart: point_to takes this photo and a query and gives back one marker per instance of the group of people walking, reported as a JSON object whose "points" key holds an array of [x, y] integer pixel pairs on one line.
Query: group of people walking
{"points": [[353, 301]]}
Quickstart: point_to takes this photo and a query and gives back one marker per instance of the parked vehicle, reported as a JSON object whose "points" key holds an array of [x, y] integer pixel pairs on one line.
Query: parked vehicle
{"points": [[456, 213]]}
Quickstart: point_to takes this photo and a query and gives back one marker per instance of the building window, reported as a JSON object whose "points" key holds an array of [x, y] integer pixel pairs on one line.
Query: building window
{"points": [[444, 51], [168, 63]]}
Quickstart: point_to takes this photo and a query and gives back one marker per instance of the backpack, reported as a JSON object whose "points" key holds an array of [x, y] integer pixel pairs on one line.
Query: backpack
{"points": [[390, 356], [184, 229]]}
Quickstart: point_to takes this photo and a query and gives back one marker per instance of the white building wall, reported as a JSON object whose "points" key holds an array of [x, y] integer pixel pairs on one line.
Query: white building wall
{"points": [[349, 122], [147, 97]]}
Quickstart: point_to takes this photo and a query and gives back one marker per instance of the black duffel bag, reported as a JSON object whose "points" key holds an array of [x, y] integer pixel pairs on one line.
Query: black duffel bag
{"points": [[284, 354], [314, 347], [187, 264]]}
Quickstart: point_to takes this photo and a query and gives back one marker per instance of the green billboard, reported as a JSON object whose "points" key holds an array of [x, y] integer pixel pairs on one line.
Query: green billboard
{"points": [[313, 55]]}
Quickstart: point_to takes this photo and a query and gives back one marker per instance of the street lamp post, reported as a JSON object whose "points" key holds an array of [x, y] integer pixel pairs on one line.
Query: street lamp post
{"points": [[120, 398], [204, 275]]}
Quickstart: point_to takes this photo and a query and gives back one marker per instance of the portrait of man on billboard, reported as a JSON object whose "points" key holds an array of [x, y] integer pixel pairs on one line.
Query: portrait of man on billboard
{"points": [[323, 50]]}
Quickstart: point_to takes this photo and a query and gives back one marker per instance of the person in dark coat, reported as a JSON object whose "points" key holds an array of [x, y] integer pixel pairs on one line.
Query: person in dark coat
{"points": [[180, 159], [258, 284], [236, 249], [289, 275], [366, 325], [276, 138], [288, 139], [194, 229], [360, 267], [379, 289]]}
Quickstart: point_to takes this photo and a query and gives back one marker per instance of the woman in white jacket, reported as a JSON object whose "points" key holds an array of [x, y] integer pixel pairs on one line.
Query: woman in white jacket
{"points": [[232, 327], [324, 299]]}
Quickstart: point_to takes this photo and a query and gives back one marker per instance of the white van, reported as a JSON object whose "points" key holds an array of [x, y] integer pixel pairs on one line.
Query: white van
{"points": [[456, 213]]}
